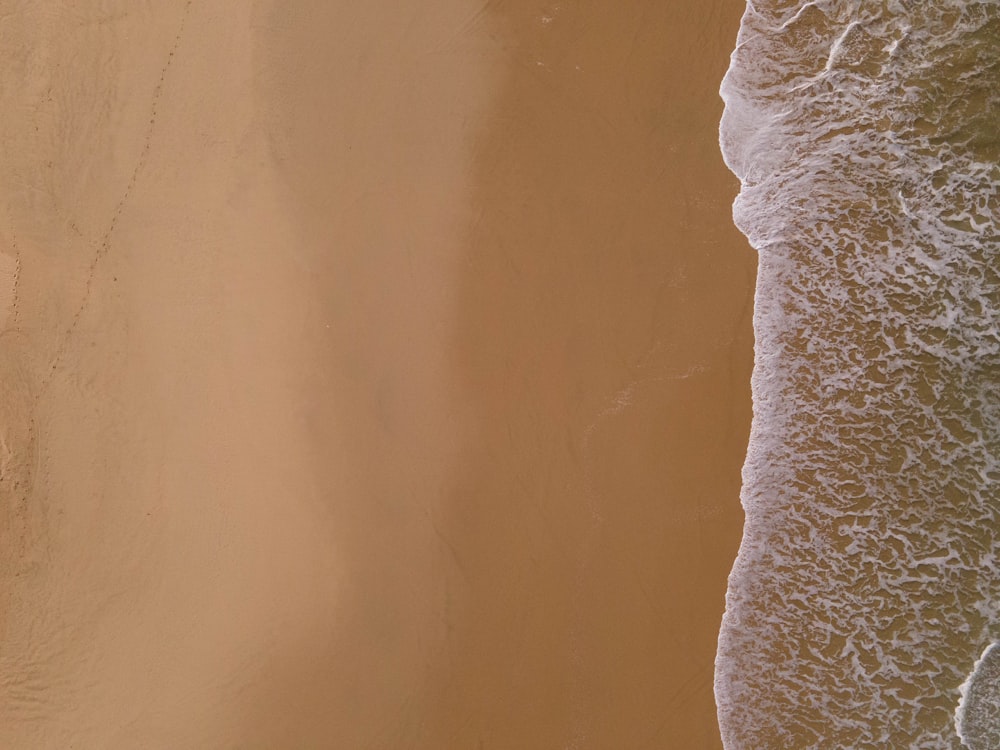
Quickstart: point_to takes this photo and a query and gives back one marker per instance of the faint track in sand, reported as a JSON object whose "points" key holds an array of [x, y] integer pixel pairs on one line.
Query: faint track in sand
{"points": [[104, 245]]}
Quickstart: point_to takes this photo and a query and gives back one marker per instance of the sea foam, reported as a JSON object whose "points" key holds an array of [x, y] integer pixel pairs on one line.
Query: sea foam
{"points": [[977, 718], [864, 136]]}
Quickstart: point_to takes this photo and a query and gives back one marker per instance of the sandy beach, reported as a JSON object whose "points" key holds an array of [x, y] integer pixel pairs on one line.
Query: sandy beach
{"points": [[372, 375]]}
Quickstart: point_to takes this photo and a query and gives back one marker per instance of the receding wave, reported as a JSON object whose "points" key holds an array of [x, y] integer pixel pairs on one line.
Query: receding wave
{"points": [[865, 134]]}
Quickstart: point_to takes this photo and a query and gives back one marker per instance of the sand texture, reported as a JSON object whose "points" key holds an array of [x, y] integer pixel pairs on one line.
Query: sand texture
{"points": [[372, 375]]}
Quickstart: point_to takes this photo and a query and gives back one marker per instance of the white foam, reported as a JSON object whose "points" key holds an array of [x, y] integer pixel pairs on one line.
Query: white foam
{"points": [[977, 718]]}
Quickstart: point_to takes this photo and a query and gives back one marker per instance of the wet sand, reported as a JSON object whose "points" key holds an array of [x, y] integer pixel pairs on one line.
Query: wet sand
{"points": [[375, 375]]}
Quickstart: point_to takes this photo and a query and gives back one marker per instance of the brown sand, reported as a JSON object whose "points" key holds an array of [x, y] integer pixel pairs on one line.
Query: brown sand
{"points": [[375, 375]]}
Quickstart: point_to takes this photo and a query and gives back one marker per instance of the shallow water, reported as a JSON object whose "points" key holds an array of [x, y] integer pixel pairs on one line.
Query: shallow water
{"points": [[864, 134]]}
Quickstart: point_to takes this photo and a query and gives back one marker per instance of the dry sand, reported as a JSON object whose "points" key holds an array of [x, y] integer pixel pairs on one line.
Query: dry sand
{"points": [[373, 375]]}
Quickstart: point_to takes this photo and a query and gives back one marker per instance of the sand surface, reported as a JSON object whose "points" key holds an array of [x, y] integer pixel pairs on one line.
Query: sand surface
{"points": [[372, 375]]}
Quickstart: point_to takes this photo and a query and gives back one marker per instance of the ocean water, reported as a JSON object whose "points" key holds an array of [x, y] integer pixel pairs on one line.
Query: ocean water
{"points": [[866, 135]]}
